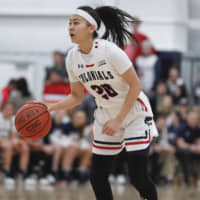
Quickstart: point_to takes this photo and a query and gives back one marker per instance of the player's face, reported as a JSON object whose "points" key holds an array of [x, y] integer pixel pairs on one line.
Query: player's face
{"points": [[79, 29], [193, 119]]}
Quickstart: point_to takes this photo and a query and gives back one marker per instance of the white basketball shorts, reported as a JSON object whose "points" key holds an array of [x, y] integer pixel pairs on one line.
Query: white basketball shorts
{"points": [[135, 134]]}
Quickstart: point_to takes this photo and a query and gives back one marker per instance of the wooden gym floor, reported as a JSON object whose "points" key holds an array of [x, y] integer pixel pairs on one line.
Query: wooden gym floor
{"points": [[77, 192]]}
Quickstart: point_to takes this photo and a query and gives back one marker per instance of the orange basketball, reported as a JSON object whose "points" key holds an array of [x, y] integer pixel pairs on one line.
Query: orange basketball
{"points": [[33, 121]]}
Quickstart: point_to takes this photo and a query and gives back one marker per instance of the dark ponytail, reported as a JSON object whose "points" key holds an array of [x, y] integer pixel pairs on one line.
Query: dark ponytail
{"points": [[116, 23]]}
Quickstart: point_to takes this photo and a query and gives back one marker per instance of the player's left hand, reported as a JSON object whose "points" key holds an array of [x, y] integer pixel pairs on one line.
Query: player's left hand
{"points": [[111, 127]]}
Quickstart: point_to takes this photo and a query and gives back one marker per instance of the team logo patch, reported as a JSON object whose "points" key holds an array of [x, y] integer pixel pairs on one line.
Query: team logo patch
{"points": [[101, 62]]}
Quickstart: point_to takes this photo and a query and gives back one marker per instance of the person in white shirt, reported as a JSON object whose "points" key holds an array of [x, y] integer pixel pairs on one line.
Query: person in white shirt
{"points": [[124, 118], [10, 145], [149, 68]]}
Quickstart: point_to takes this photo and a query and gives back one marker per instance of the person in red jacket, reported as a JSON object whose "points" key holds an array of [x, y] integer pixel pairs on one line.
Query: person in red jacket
{"points": [[55, 90], [134, 49], [6, 91]]}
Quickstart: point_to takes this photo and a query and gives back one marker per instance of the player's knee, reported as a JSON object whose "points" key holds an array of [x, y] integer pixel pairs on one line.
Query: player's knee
{"points": [[74, 146], [138, 182], [25, 148], [6, 146]]}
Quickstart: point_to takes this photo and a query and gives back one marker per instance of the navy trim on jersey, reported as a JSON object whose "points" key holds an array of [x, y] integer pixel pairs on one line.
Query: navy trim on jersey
{"points": [[109, 143], [138, 138]]}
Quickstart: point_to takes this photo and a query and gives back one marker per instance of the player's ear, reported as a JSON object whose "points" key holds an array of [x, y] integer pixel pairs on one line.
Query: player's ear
{"points": [[92, 28]]}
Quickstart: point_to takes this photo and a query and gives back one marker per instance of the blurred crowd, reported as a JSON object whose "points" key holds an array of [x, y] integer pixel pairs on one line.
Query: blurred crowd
{"points": [[64, 155]]}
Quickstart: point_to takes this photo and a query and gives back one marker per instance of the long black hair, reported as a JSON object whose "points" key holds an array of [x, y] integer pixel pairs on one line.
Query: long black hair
{"points": [[116, 23], [22, 87]]}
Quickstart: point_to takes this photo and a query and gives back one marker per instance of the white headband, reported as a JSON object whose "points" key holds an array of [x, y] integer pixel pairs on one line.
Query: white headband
{"points": [[87, 16]]}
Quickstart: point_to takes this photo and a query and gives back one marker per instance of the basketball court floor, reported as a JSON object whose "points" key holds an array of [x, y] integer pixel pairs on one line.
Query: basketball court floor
{"points": [[77, 192]]}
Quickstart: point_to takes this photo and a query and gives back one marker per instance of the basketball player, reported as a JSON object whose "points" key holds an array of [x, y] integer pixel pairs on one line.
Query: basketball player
{"points": [[123, 118]]}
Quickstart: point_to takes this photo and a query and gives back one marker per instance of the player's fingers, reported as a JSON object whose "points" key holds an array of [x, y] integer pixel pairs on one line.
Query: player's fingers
{"points": [[105, 127], [109, 131], [112, 132]]}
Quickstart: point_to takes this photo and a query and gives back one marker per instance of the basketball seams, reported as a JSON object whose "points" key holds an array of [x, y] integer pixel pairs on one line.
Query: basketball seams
{"points": [[39, 130], [37, 122], [32, 120], [22, 110]]}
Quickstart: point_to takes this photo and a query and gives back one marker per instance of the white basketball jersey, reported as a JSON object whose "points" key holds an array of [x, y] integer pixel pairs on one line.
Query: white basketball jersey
{"points": [[100, 72]]}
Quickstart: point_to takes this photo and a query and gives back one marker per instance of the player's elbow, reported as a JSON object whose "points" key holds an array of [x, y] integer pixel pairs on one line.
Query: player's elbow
{"points": [[137, 87], [78, 97]]}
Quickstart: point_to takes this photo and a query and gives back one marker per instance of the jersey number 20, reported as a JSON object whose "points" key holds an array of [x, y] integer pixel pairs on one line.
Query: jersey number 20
{"points": [[105, 90]]}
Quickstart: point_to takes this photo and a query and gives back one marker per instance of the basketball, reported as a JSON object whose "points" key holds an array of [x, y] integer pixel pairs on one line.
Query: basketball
{"points": [[33, 121]]}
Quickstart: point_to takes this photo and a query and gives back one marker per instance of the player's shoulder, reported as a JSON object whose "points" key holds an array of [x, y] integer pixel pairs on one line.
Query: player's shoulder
{"points": [[72, 51], [106, 43]]}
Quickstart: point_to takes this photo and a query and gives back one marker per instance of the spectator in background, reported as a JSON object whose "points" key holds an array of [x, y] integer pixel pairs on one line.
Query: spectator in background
{"points": [[6, 91], [183, 107], [149, 68], [166, 106], [188, 146], [159, 95], [134, 49], [62, 141], [167, 148], [176, 85], [6, 129], [58, 66], [155, 165], [88, 105], [10, 145], [79, 148], [55, 89], [196, 92], [20, 95]]}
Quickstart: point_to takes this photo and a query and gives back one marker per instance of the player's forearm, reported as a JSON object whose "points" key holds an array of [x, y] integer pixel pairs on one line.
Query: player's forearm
{"points": [[129, 102], [69, 102]]}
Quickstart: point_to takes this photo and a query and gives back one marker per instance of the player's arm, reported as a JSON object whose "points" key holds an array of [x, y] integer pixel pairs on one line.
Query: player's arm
{"points": [[72, 100], [135, 87], [111, 126]]}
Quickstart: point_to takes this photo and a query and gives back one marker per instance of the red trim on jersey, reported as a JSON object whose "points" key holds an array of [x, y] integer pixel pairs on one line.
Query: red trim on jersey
{"points": [[92, 65], [139, 142], [107, 148], [142, 102]]}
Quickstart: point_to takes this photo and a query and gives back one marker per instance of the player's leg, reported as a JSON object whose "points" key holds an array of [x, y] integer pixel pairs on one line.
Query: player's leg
{"points": [[84, 163], [58, 150], [104, 150], [70, 153], [138, 136], [7, 155], [138, 173], [24, 155], [100, 169]]}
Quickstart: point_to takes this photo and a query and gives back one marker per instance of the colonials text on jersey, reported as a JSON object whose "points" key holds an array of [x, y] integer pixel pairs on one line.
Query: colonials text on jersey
{"points": [[95, 75]]}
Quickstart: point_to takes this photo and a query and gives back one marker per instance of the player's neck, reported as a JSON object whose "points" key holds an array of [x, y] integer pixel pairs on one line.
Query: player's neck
{"points": [[86, 46]]}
